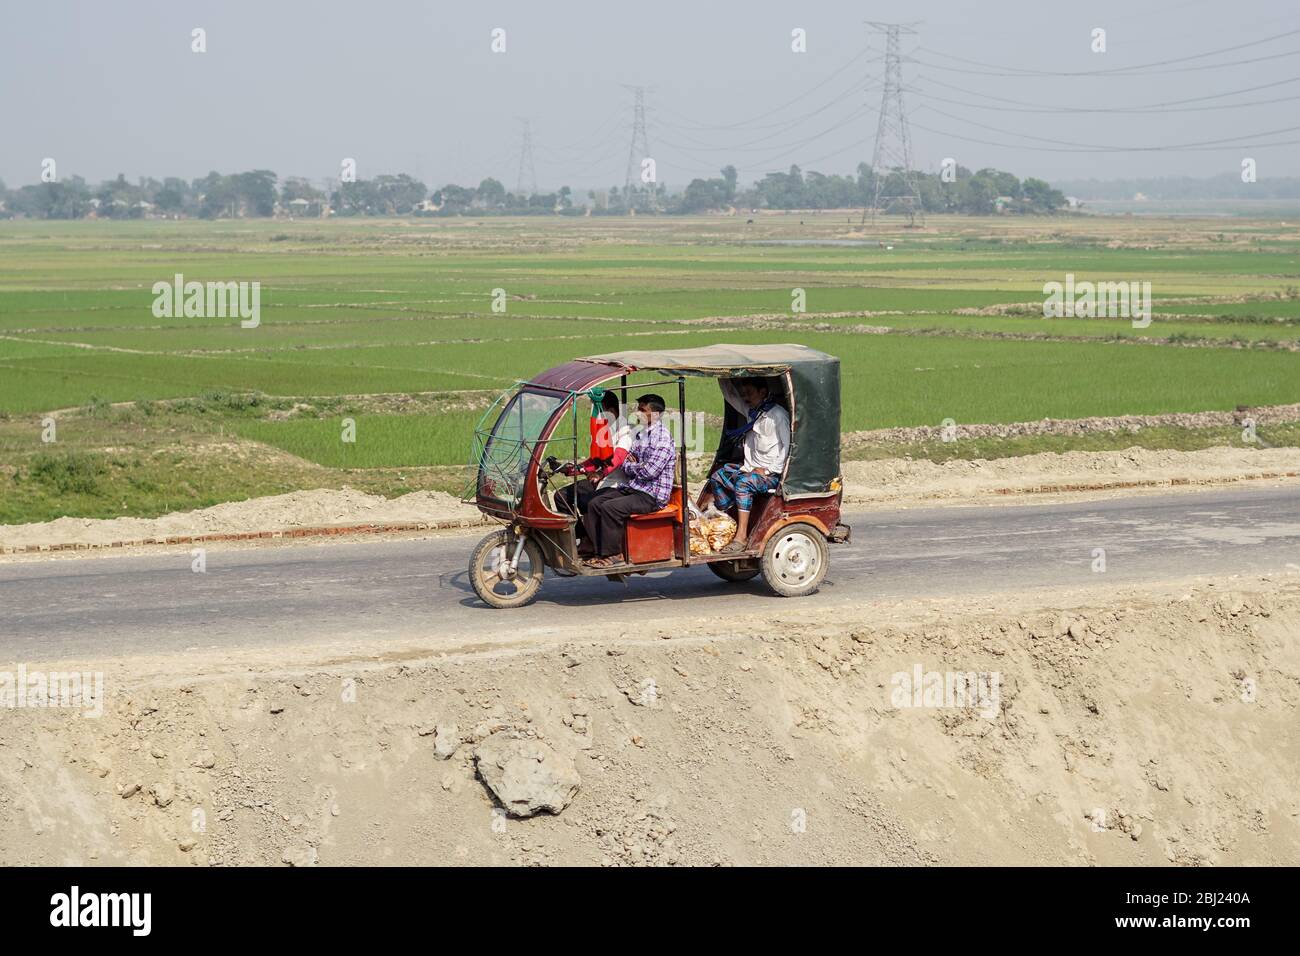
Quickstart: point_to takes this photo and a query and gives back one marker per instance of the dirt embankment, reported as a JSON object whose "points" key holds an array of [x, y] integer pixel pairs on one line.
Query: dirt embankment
{"points": [[890, 483], [894, 482], [1132, 729]]}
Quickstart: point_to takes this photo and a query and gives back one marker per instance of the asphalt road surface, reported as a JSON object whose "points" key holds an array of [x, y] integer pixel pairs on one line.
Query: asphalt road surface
{"points": [[325, 592]]}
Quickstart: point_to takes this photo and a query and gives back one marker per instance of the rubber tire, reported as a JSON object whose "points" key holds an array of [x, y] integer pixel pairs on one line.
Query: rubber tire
{"points": [[728, 571], [526, 594], [772, 574]]}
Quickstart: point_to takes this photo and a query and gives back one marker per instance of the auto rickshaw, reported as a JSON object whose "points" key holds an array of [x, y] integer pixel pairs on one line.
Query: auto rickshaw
{"points": [[537, 430]]}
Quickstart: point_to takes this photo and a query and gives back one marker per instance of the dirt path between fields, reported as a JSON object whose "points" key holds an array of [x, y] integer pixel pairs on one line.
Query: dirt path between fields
{"points": [[1259, 417]]}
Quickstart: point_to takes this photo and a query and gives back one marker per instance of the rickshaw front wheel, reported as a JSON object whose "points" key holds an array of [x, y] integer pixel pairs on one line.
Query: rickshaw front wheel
{"points": [[490, 574], [794, 560]]}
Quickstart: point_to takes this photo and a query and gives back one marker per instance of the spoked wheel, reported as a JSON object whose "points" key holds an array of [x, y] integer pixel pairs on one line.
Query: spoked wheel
{"points": [[490, 574], [732, 571], [794, 560]]}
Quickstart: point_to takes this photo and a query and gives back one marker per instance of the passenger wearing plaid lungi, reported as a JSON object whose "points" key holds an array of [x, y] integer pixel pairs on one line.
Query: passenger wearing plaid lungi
{"points": [[731, 486], [766, 434]]}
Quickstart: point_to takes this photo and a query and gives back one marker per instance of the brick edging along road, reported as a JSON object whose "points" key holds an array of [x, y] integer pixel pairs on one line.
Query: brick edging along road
{"points": [[322, 531]]}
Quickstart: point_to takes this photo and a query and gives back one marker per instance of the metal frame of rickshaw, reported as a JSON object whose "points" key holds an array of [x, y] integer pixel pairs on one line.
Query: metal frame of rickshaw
{"points": [[574, 565], [570, 554]]}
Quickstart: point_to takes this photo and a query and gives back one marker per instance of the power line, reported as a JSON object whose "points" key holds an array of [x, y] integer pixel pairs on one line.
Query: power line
{"points": [[1237, 140], [856, 88], [1119, 149], [606, 161], [1121, 72], [777, 109], [1129, 69], [766, 162], [805, 163], [895, 184], [1063, 146], [594, 136], [1066, 110], [1143, 108], [838, 152], [784, 150]]}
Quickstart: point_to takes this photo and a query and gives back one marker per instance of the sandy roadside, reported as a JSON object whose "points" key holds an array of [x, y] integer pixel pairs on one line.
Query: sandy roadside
{"points": [[1148, 726], [895, 482], [888, 483]]}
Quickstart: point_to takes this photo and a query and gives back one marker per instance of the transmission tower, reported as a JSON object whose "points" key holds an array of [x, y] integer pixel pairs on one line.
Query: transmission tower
{"points": [[895, 181], [640, 148], [527, 169]]}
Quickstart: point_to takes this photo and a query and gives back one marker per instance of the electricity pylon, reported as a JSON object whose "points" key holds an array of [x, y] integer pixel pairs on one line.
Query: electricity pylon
{"points": [[526, 163], [895, 181], [640, 148]]}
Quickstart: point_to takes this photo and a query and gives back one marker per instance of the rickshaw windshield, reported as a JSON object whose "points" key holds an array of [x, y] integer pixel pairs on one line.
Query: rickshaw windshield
{"points": [[508, 448]]}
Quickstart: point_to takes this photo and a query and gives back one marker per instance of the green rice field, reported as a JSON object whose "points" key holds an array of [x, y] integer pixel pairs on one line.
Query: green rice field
{"points": [[392, 323]]}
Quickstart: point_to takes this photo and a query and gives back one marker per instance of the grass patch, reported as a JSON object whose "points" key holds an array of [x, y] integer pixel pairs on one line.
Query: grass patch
{"points": [[69, 472], [378, 441]]}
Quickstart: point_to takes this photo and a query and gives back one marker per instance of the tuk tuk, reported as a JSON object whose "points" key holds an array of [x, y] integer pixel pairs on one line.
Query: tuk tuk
{"points": [[534, 431]]}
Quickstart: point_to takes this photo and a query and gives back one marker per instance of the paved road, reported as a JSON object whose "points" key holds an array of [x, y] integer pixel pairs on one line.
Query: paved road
{"points": [[419, 588]]}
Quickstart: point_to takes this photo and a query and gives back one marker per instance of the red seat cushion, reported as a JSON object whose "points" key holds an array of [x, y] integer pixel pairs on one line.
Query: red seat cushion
{"points": [[671, 510]]}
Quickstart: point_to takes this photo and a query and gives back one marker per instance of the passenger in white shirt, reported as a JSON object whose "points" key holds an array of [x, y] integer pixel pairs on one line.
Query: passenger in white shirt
{"points": [[766, 444]]}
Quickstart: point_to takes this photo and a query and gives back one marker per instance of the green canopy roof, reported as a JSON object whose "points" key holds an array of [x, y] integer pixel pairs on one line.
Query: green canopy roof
{"points": [[722, 358], [814, 379]]}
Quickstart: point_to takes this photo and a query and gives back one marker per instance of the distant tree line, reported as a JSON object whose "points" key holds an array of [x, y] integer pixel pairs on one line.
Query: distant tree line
{"points": [[977, 193], [253, 193], [1224, 186], [259, 193]]}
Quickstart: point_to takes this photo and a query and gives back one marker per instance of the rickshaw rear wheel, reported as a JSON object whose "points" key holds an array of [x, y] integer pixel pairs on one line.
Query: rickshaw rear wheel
{"points": [[732, 571], [490, 578], [794, 560]]}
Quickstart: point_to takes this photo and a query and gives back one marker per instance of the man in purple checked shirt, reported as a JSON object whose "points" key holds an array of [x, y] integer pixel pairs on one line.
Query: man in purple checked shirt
{"points": [[649, 469]]}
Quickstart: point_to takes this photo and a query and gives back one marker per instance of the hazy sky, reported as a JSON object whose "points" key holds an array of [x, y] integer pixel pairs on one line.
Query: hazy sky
{"points": [[406, 86]]}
